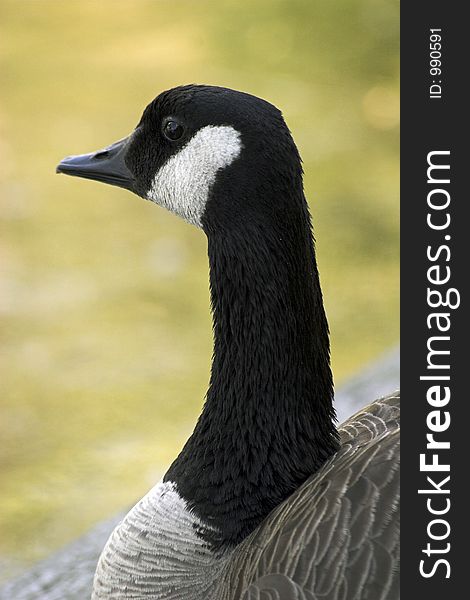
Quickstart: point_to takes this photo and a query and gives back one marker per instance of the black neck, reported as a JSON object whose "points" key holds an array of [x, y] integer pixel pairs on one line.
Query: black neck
{"points": [[267, 423]]}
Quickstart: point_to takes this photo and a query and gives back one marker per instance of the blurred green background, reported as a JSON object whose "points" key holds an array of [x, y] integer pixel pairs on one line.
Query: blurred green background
{"points": [[106, 332]]}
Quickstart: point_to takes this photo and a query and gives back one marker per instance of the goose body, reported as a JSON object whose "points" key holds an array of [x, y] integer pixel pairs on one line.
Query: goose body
{"points": [[267, 499]]}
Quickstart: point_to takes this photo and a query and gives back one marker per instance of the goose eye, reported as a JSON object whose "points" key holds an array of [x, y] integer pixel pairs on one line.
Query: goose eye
{"points": [[173, 130]]}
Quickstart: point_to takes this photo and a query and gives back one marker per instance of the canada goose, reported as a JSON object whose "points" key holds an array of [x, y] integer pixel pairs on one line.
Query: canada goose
{"points": [[266, 499]]}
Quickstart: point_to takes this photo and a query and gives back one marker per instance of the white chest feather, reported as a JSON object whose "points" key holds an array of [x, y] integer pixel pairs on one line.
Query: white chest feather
{"points": [[156, 553], [182, 185]]}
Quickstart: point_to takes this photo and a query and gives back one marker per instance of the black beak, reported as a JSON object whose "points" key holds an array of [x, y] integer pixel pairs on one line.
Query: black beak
{"points": [[106, 165]]}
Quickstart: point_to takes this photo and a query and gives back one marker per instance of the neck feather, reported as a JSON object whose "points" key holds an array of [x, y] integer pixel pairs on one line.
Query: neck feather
{"points": [[267, 423]]}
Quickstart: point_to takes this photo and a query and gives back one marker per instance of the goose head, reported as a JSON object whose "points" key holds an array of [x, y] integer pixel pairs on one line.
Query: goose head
{"points": [[211, 155]]}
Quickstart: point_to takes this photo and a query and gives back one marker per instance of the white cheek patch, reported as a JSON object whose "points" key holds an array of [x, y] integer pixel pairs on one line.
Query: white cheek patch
{"points": [[182, 185]]}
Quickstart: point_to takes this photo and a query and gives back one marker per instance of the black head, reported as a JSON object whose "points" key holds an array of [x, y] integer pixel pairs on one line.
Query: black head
{"points": [[215, 156]]}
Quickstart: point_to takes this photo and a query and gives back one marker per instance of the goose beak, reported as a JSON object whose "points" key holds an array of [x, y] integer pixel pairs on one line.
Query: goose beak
{"points": [[107, 165]]}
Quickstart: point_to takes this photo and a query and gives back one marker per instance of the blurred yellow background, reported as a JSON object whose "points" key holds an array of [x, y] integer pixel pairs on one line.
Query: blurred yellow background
{"points": [[106, 332]]}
